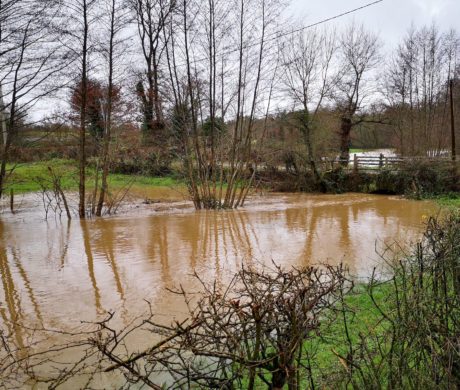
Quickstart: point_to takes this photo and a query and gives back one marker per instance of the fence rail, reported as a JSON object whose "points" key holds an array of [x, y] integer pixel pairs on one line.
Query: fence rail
{"points": [[384, 162]]}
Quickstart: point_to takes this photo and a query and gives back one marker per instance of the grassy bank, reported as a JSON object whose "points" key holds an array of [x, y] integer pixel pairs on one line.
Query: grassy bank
{"points": [[450, 201], [28, 176], [398, 332], [357, 315], [402, 332]]}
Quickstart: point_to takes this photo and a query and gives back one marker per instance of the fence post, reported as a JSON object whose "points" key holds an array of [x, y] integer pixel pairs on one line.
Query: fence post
{"points": [[355, 163], [381, 161]]}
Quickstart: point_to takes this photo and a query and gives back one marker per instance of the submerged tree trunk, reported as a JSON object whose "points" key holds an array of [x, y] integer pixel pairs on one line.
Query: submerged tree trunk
{"points": [[105, 171]]}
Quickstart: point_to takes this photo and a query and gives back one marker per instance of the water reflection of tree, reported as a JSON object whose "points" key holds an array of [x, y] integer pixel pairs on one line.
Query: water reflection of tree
{"points": [[351, 224], [235, 238], [90, 262], [208, 239], [13, 314], [27, 284], [16, 310], [163, 247], [107, 243], [325, 226], [65, 241]]}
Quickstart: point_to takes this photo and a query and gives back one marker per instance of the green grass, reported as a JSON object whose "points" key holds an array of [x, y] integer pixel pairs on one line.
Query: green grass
{"points": [[119, 180], [26, 177], [362, 318], [449, 201]]}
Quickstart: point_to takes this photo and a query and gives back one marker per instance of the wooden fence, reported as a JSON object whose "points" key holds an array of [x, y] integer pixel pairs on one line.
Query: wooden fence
{"points": [[370, 163]]}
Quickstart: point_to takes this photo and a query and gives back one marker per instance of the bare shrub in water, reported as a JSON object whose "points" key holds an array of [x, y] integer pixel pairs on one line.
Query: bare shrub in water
{"points": [[253, 331], [53, 196]]}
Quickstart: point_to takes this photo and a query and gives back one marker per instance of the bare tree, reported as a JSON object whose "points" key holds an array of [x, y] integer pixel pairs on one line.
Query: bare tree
{"points": [[76, 22], [116, 23], [416, 88], [27, 65], [307, 60], [399, 90], [359, 56], [218, 152], [152, 17]]}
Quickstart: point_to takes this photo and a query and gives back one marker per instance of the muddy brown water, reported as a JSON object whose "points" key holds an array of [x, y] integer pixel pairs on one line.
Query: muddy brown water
{"points": [[56, 274]]}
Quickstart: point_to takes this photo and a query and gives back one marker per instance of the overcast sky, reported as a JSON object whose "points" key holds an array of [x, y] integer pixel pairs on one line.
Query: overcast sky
{"points": [[390, 18]]}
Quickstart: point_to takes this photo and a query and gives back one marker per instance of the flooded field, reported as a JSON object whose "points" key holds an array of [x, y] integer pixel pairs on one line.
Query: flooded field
{"points": [[56, 274]]}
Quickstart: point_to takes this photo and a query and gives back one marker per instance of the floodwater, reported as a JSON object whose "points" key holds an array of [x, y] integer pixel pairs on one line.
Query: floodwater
{"points": [[56, 274]]}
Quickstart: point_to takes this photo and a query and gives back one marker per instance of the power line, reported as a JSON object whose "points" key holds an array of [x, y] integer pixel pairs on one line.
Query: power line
{"points": [[330, 18], [280, 34]]}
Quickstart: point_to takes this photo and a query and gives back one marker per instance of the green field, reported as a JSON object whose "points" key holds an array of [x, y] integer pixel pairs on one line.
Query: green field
{"points": [[357, 150], [30, 177]]}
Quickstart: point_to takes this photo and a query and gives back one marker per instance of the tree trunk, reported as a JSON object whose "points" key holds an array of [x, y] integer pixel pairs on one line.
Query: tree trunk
{"points": [[82, 143], [3, 169], [108, 117], [278, 379], [3, 117], [345, 133], [310, 156]]}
